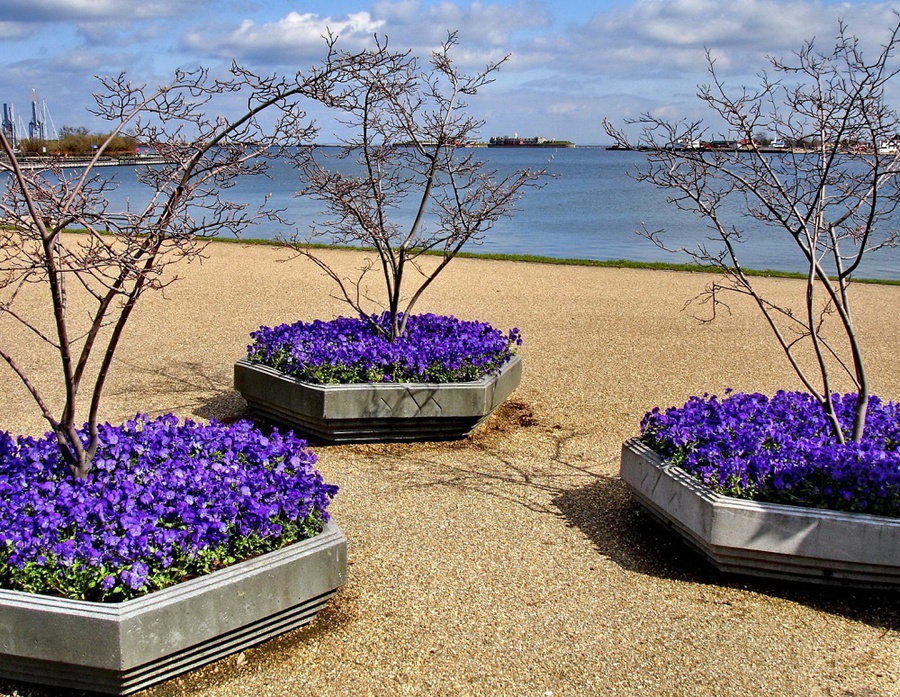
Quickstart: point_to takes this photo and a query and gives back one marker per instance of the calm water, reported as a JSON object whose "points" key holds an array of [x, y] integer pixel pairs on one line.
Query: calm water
{"points": [[590, 210]]}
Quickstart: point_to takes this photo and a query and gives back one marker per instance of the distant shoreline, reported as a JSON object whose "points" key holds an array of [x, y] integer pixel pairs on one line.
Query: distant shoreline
{"points": [[769, 151], [551, 144], [42, 162]]}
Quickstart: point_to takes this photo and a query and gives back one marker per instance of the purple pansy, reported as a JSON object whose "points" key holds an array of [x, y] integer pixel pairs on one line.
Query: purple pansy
{"points": [[781, 449], [434, 348], [165, 501]]}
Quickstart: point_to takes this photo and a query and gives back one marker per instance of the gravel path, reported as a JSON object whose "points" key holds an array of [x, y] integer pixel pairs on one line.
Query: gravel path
{"points": [[515, 562]]}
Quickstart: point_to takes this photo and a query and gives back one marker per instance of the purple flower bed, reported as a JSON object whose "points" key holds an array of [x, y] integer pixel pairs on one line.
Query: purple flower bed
{"points": [[781, 450], [166, 501], [434, 348]]}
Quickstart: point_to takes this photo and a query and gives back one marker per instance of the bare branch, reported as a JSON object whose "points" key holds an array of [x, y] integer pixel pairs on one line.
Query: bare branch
{"points": [[401, 184], [121, 254], [833, 188]]}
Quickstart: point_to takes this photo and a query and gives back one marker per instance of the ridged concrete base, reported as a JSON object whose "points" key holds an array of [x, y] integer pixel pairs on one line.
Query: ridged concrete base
{"points": [[375, 412], [120, 648], [765, 539]]}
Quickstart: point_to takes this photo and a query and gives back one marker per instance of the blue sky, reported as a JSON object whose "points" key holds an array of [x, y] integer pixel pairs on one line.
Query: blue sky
{"points": [[573, 62]]}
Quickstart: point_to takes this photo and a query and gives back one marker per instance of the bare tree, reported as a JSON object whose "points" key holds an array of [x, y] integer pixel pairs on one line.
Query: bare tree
{"points": [[401, 186], [121, 254], [835, 198]]}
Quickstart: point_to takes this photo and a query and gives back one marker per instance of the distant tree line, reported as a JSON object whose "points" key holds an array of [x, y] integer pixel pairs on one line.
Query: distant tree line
{"points": [[76, 141]]}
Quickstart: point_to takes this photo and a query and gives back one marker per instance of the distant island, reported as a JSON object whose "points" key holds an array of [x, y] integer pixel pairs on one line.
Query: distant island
{"points": [[515, 141]]}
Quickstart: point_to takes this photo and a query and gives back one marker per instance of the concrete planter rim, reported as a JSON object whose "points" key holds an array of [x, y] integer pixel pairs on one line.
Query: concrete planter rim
{"points": [[759, 538], [361, 386], [705, 492], [175, 592], [122, 647], [375, 412]]}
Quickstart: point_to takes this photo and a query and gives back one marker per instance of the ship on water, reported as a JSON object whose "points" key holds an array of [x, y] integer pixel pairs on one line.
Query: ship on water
{"points": [[515, 141]]}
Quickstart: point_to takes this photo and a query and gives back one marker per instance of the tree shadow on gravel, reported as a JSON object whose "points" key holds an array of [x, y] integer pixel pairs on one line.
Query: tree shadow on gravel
{"points": [[602, 508], [487, 463], [21, 689], [225, 407], [187, 386], [621, 530]]}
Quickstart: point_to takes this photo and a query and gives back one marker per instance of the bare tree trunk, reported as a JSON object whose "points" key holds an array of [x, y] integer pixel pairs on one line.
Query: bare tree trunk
{"points": [[121, 255], [835, 202], [409, 124]]}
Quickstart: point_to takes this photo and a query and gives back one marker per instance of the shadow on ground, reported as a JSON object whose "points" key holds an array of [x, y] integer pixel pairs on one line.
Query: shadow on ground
{"points": [[606, 513], [187, 386], [226, 407], [602, 508]]}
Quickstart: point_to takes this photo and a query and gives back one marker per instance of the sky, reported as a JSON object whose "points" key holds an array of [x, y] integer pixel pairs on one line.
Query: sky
{"points": [[572, 62]]}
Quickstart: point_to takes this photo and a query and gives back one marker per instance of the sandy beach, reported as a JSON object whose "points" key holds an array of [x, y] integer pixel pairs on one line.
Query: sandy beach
{"points": [[514, 562]]}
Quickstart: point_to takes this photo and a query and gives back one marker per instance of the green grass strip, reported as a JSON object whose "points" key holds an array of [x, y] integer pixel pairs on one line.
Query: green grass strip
{"points": [[537, 259], [602, 263]]}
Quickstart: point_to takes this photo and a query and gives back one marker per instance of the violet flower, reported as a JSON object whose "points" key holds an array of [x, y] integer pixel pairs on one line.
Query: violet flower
{"points": [[165, 501], [782, 449]]}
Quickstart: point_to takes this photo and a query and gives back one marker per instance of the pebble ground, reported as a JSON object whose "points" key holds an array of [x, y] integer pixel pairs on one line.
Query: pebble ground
{"points": [[514, 562]]}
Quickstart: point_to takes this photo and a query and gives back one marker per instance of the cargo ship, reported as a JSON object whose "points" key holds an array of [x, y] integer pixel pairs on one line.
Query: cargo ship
{"points": [[515, 141]]}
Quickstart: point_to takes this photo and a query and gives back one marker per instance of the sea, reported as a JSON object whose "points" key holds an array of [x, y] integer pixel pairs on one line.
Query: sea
{"points": [[591, 208]]}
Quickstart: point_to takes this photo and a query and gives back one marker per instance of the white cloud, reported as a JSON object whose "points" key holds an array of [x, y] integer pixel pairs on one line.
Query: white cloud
{"points": [[295, 36], [100, 22], [483, 24], [673, 34], [571, 64], [14, 30], [486, 31]]}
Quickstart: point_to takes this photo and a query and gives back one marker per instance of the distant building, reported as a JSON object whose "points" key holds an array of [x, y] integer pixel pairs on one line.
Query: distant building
{"points": [[889, 146]]}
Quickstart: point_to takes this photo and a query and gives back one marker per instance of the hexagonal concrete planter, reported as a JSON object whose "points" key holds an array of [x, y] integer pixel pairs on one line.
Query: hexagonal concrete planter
{"points": [[765, 539], [375, 412], [120, 648]]}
